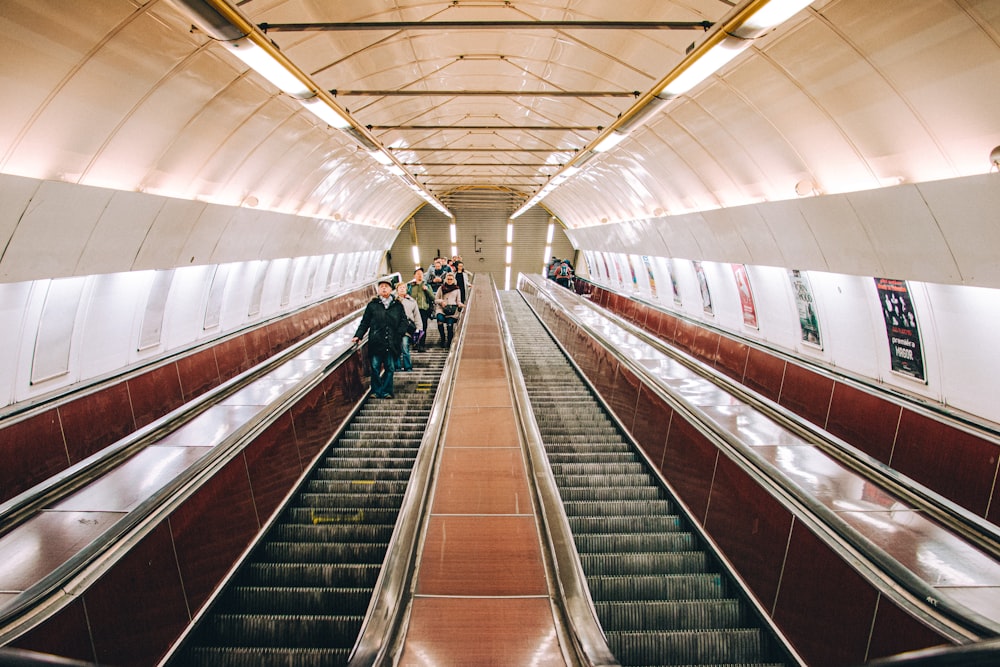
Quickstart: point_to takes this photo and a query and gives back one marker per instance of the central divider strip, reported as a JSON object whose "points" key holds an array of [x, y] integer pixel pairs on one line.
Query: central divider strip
{"points": [[481, 594]]}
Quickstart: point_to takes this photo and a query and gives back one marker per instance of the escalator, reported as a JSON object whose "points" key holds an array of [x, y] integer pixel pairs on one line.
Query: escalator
{"points": [[300, 598], [661, 595]]}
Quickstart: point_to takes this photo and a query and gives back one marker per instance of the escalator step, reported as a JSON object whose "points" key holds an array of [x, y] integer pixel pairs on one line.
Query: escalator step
{"points": [[332, 532], [635, 542], [687, 647], [651, 587], [294, 575], [300, 600], [266, 657], [618, 508], [312, 552], [687, 562], [672, 615], [297, 630], [349, 500], [358, 485], [359, 473], [625, 524], [605, 493], [362, 515]]}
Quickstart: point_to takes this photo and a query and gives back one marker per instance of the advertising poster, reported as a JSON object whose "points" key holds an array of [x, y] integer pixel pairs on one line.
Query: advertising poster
{"points": [[673, 282], [706, 296], [746, 295], [649, 272], [631, 270], [806, 306], [607, 271], [901, 327]]}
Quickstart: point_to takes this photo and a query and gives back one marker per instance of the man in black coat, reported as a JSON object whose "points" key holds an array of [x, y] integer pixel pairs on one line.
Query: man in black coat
{"points": [[385, 322]]}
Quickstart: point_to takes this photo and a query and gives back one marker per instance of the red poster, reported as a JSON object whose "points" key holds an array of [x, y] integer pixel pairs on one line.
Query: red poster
{"points": [[746, 295]]}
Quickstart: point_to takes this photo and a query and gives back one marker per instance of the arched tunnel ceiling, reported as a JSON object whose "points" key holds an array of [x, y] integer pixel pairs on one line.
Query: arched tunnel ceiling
{"points": [[846, 95]]}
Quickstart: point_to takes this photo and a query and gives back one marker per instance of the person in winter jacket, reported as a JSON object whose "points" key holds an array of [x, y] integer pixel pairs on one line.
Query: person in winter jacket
{"points": [[424, 296], [414, 326], [384, 320], [448, 301]]}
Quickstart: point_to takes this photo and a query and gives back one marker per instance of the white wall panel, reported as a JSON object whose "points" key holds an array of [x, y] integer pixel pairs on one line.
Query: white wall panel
{"points": [[107, 335], [967, 211], [14, 312], [761, 246], [15, 195], [846, 245], [167, 235], [53, 230], [727, 232], [118, 234], [905, 235], [794, 238], [966, 320]]}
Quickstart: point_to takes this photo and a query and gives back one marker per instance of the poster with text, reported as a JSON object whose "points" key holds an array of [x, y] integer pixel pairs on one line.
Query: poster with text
{"points": [[673, 282], [806, 306], [706, 296], [746, 295], [901, 327]]}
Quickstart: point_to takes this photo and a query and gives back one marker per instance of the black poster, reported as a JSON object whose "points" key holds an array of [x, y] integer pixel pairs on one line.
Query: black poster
{"points": [[901, 327]]}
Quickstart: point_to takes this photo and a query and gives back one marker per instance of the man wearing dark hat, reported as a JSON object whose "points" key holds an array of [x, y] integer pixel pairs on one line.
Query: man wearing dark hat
{"points": [[385, 322]]}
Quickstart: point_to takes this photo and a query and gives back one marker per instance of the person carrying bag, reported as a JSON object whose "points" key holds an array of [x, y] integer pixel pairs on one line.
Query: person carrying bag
{"points": [[448, 302]]}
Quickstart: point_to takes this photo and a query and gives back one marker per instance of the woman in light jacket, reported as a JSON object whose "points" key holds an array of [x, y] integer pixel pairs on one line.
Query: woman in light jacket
{"points": [[414, 330], [448, 303]]}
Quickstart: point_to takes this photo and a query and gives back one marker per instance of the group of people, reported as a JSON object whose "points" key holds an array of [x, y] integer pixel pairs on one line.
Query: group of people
{"points": [[561, 271], [396, 319]]}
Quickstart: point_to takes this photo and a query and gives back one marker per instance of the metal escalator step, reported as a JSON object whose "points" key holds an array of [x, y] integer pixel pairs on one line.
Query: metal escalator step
{"points": [[334, 515], [672, 615], [582, 444], [648, 587], [332, 532], [359, 458], [602, 493], [343, 474], [626, 524], [350, 500], [319, 552], [335, 468], [683, 647], [357, 485], [635, 542], [312, 574], [685, 562], [298, 630], [266, 657], [609, 458], [618, 507], [570, 481], [374, 448], [294, 600], [631, 468]]}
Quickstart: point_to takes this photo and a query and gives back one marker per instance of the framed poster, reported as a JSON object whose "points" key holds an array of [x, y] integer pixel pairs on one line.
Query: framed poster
{"points": [[747, 305], [806, 307], [706, 295], [649, 272], [673, 282], [901, 327]]}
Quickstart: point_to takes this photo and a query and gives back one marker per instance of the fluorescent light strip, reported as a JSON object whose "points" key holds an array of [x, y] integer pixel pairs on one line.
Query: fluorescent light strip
{"points": [[265, 64]]}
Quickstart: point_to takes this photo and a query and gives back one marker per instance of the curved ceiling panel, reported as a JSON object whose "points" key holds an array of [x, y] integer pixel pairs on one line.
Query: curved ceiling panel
{"points": [[131, 99], [845, 97], [500, 95]]}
